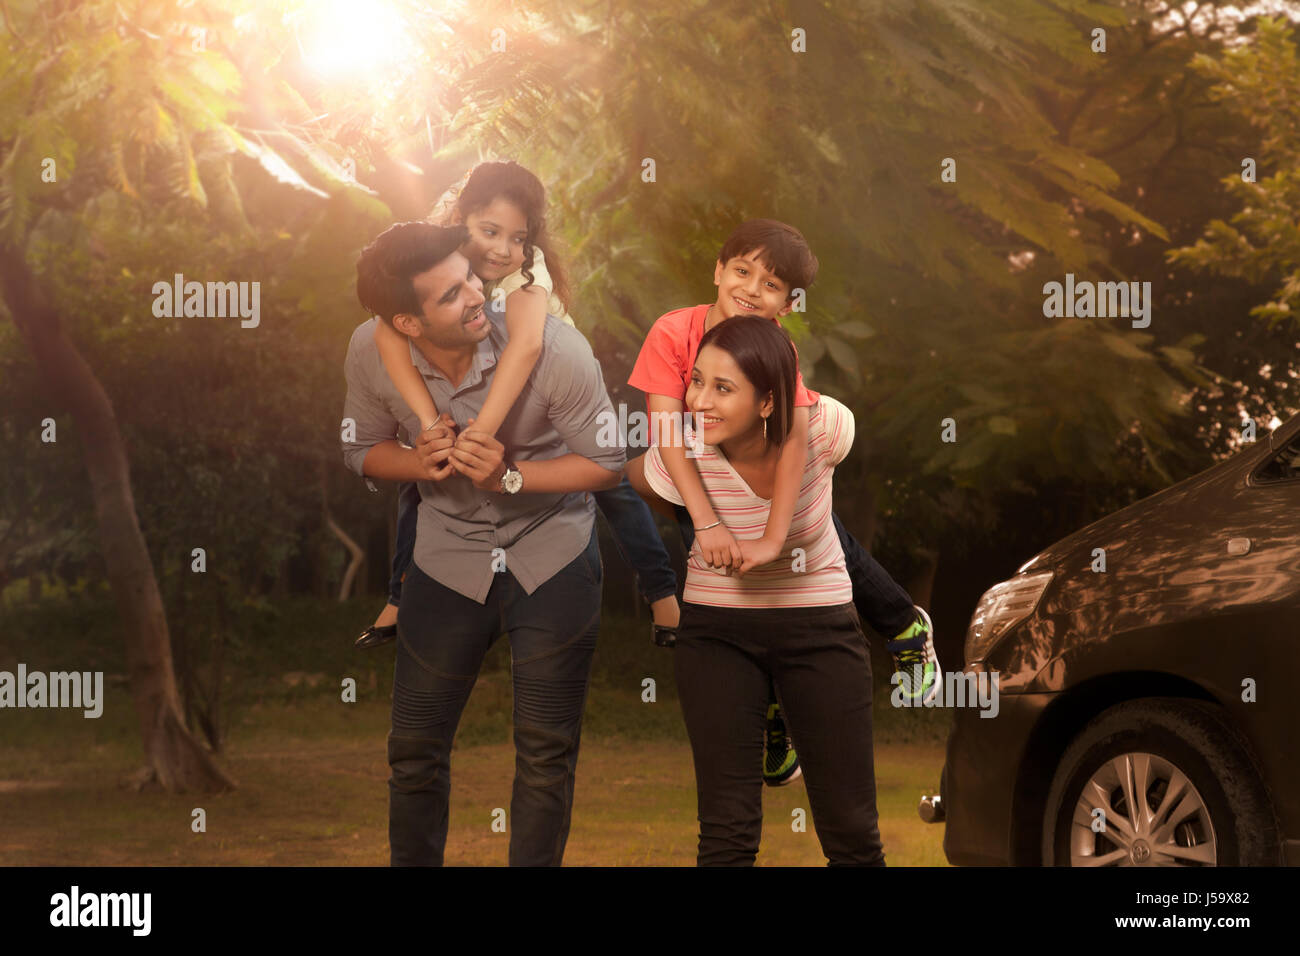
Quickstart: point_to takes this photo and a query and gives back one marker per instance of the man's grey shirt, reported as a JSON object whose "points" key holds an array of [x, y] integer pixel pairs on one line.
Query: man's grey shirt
{"points": [[559, 411]]}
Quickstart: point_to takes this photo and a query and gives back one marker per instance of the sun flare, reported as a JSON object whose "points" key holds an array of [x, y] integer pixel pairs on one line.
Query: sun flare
{"points": [[342, 39]]}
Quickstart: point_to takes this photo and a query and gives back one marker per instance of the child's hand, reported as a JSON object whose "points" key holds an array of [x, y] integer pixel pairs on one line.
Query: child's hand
{"points": [[719, 548], [460, 436], [479, 457], [442, 421], [758, 551], [434, 446]]}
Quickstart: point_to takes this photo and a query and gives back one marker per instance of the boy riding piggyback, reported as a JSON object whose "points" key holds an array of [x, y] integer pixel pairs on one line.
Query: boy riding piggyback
{"points": [[762, 266]]}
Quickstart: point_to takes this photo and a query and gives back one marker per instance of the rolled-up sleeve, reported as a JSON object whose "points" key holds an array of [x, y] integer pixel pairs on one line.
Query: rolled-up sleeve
{"points": [[578, 402], [367, 421]]}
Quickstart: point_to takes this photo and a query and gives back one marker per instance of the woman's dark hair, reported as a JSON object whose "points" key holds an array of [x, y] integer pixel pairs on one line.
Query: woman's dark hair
{"points": [[401, 252], [509, 180], [766, 357]]}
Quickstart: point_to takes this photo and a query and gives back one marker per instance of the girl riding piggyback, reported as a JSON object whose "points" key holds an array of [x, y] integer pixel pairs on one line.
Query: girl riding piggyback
{"points": [[503, 207]]}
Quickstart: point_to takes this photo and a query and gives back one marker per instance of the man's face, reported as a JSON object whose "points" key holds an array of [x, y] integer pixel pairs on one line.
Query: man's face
{"points": [[747, 287], [452, 299]]}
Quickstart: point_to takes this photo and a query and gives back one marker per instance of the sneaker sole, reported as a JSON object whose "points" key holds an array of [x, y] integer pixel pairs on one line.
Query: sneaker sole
{"points": [[795, 774]]}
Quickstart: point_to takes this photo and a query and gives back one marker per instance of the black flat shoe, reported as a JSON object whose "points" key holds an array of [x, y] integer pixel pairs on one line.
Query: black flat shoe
{"points": [[665, 636], [375, 636]]}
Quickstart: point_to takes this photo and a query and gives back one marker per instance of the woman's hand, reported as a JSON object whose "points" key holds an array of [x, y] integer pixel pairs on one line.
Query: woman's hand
{"points": [[756, 551], [718, 548]]}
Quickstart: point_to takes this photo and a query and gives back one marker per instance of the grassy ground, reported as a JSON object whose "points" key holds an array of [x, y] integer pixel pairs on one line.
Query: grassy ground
{"points": [[312, 770]]}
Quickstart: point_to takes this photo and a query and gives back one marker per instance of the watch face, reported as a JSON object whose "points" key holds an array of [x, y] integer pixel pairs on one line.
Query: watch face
{"points": [[512, 481]]}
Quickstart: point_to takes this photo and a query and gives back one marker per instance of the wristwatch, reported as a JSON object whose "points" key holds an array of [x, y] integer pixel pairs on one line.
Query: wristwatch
{"points": [[512, 480]]}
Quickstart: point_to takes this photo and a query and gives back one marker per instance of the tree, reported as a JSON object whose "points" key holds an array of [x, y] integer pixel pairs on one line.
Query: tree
{"points": [[119, 145], [64, 65], [140, 140], [1260, 83]]}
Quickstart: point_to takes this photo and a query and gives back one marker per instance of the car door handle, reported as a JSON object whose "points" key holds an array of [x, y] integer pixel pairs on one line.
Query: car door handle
{"points": [[1238, 545]]}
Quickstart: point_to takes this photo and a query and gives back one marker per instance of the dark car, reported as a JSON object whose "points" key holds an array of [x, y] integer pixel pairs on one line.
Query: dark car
{"points": [[1146, 666]]}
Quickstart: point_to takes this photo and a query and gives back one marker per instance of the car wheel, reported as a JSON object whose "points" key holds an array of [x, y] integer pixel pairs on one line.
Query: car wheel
{"points": [[1158, 782]]}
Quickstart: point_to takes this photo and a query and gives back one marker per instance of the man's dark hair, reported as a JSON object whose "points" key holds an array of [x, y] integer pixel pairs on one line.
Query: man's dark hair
{"points": [[785, 250], [766, 356], [399, 253]]}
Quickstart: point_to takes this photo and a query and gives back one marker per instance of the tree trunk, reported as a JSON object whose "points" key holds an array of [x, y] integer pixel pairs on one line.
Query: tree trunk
{"points": [[355, 550], [921, 586], [358, 555], [174, 759]]}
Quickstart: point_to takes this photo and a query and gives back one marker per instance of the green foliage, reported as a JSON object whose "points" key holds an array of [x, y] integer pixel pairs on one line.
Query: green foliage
{"points": [[228, 159], [1261, 83], [916, 297]]}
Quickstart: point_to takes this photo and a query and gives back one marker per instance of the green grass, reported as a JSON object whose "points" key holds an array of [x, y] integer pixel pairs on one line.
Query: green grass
{"points": [[312, 770]]}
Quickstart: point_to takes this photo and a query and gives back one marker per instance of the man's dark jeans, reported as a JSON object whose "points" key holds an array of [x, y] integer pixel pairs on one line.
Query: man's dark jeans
{"points": [[817, 656], [442, 637], [880, 601]]}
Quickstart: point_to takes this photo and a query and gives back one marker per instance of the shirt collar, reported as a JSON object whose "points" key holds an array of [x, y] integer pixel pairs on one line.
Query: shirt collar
{"points": [[485, 355]]}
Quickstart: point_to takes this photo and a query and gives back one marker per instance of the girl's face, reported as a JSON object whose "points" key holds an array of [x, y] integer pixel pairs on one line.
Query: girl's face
{"points": [[723, 400], [496, 239]]}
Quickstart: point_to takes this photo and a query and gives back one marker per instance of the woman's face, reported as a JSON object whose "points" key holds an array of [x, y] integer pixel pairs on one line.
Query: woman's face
{"points": [[723, 400], [496, 239]]}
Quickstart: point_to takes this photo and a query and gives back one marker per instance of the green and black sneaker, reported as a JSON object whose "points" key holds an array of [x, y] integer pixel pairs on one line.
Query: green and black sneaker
{"points": [[780, 762], [915, 665]]}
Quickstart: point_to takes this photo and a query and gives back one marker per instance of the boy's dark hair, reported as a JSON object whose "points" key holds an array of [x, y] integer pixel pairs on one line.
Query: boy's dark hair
{"points": [[766, 357], [399, 253], [508, 180], [785, 250]]}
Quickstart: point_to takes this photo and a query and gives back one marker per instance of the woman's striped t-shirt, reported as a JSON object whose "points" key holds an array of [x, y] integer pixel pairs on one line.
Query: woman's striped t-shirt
{"points": [[810, 571]]}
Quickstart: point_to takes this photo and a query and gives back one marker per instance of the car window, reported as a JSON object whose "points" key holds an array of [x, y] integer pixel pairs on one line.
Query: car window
{"points": [[1284, 466]]}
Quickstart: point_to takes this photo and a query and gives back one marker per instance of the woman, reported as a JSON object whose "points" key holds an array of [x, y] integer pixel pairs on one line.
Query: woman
{"points": [[792, 620]]}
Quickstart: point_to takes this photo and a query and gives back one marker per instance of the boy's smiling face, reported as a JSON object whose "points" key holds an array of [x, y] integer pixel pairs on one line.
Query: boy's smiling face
{"points": [[748, 287]]}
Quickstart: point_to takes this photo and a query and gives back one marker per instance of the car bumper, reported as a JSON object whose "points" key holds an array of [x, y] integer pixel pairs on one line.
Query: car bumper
{"points": [[979, 779]]}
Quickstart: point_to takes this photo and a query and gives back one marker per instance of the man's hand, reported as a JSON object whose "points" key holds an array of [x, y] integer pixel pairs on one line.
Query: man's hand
{"points": [[433, 447], [757, 551], [719, 548], [479, 457]]}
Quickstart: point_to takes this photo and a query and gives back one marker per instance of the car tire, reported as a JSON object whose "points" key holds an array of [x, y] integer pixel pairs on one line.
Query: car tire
{"points": [[1224, 816]]}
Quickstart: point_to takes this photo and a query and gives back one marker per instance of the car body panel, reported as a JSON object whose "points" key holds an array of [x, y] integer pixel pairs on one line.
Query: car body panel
{"points": [[1173, 611]]}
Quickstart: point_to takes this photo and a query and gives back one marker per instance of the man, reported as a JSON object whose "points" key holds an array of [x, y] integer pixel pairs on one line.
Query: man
{"points": [[501, 543]]}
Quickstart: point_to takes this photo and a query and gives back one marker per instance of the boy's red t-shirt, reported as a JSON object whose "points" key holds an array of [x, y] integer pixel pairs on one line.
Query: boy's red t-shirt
{"points": [[668, 355]]}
